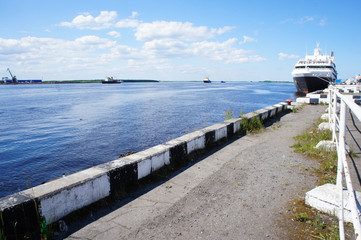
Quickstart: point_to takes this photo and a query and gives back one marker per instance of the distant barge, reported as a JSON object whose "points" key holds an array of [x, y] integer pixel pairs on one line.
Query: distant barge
{"points": [[206, 80], [6, 80], [111, 80], [14, 80]]}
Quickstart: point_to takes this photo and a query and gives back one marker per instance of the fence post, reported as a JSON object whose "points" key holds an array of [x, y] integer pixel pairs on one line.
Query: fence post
{"points": [[340, 155], [334, 113], [329, 105]]}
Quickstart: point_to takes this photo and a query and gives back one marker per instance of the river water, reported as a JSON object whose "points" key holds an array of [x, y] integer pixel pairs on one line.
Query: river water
{"points": [[50, 129]]}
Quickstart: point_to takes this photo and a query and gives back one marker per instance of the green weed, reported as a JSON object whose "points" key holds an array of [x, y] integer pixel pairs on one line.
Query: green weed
{"points": [[306, 144], [299, 107], [252, 125], [309, 223], [315, 223], [229, 114], [302, 217]]}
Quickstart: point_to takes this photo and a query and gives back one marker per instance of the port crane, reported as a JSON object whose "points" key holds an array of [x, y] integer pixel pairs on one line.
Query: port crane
{"points": [[13, 78]]}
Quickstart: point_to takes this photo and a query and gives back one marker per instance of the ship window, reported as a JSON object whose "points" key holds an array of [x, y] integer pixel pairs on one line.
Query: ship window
{"points": [[320, 66], [300, 67]]}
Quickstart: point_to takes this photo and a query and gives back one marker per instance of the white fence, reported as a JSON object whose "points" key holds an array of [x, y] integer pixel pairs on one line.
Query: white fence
{"points": [[338, 107]]}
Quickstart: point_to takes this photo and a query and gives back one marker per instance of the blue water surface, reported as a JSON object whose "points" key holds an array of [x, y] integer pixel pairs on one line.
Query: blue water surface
{"points": [[50, 129]]}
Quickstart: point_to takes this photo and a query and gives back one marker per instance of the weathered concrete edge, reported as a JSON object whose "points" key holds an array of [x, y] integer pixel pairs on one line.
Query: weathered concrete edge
{"points": [[58, 198], [322, 98], [326, 198]]}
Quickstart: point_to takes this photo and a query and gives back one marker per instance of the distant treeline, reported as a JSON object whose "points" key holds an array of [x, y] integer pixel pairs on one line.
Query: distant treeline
{"points": [[72, 81], [269, 81]]}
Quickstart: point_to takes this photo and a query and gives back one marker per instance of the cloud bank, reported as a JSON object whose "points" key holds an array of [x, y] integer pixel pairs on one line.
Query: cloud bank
{"points": [[154, 43]]}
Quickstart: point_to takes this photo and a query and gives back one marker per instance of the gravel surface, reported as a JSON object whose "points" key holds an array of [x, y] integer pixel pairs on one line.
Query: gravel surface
{"points": [[240, 191]]}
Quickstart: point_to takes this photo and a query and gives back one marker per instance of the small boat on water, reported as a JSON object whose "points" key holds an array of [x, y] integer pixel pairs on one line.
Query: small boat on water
{"points": [[109, 80], [223, 81], [206, 80]]}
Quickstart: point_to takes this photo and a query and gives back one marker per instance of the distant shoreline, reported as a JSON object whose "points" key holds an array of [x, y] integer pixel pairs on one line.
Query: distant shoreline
{"points": [[131, 81], [80, 81]]}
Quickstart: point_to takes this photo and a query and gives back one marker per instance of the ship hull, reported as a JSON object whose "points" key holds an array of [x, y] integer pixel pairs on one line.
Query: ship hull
{"points": [[111, 82], [310, 84]]}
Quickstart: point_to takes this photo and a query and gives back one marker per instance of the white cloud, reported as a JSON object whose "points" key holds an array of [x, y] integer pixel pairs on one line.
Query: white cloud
{"points": [[127, 23], [87, 21], [165, 48], [54, 54], [223, 30], [285, 56], [106, 19], [165, 45], [176, 30], [89, 53], [323, 22], [248, 39], [214, 51], [305, 19], [134, 14], [301, 20], [114, 34]]}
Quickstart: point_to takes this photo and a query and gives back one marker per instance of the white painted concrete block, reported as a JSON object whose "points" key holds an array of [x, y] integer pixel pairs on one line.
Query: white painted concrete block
{"points": [[326, 145], [272, 110], [325, 116], [323, 100], [303, 100], [313, 95], [157, 161], [250, 115], [166, 158], [279, 107], [118, 163], [263, 113], [237, 126], [284, 105], [144, 168], [196, 144], [325, 126], [220, 133], [60, 204], [326, 198]]}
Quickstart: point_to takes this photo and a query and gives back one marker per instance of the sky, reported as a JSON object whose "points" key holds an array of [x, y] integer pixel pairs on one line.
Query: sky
{"points": [[175, 40]]}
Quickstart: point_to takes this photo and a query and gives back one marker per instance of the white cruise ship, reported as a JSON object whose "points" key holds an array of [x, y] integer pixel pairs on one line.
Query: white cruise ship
{"points": [[314, 72]]}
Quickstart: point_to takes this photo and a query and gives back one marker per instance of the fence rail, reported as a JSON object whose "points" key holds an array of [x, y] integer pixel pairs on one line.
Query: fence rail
{"points": [[338, 106]]}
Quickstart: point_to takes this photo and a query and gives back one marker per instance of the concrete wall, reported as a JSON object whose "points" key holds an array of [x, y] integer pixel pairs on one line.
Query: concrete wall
{"points": [[316, 98], [58, 198]]}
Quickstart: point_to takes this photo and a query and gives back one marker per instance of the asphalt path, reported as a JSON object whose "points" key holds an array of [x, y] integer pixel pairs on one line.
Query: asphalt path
{"points": [[239, 191]]}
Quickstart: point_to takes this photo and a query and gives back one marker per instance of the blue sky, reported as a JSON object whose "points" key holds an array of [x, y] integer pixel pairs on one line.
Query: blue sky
{"points": [[175, 40]]}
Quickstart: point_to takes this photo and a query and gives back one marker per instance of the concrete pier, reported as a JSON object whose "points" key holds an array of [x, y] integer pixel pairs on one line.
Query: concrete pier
{"points": [[57, 199], [239, 191]]}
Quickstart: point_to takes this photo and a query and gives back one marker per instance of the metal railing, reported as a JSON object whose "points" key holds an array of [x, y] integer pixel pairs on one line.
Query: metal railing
{"points": [[338, 106]]}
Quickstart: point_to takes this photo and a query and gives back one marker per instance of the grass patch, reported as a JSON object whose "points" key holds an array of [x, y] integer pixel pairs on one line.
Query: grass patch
{"points": [[299, 107], [306, 144], [308, 222], [252, 125]]}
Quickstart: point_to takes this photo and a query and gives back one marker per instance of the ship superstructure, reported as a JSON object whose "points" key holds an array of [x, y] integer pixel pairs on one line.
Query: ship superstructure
{"points": [[314, 72]]}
